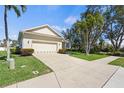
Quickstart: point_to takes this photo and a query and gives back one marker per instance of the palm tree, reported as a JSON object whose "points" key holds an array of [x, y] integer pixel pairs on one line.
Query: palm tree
{"points": [[18, 13]]}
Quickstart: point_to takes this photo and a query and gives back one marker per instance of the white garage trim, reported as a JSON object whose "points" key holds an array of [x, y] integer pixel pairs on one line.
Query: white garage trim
{"points": [[42, 41], [44, 47]]}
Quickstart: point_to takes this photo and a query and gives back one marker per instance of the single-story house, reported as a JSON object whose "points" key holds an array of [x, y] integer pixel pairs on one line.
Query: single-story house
{"points": [[43, 39]]}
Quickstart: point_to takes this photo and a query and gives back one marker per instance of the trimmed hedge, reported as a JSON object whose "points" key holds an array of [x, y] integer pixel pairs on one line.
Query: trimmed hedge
{"points": [[62, 51], [27, 51]]}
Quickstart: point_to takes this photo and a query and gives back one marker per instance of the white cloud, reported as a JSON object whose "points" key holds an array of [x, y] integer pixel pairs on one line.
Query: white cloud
{"points": [[70, 20], [109, 42], [13, 37]]}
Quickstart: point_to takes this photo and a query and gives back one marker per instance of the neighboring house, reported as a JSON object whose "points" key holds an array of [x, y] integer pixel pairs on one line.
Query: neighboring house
{"points": [[2, 48], [43, 39]]}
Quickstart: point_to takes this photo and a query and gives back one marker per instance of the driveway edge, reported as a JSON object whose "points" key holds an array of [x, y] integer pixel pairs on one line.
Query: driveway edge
{"points": [[110, 77]]}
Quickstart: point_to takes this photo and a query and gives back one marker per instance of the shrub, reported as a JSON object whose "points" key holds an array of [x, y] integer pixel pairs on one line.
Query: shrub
{"points": [[18, 50], [107, 49], [95, 49], [27, 51], [15, 50], [68, 49], [116, 53], [62, 51], [75, 50], [122, 49]]}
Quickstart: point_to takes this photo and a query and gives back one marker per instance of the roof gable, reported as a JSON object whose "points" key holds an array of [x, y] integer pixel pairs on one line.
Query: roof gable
{"points": [[44, 29]]}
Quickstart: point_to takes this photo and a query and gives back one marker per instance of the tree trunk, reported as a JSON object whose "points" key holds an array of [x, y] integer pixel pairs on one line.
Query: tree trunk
{"points": [[6, 32], [87, 45], [87, 53]]}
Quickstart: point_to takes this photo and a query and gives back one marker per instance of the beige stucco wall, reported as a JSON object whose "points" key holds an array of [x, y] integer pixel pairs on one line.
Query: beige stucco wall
{"points": [[26, 43], [45, 31], [59, 45], [42, 37]]}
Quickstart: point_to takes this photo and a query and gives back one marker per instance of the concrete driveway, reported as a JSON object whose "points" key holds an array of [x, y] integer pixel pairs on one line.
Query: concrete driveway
{"points": [[74, 72]]}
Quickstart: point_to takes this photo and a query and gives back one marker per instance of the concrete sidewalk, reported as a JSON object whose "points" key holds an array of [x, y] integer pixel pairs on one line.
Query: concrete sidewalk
{"points": [[105, 60], [117, 81], [44, 81]]}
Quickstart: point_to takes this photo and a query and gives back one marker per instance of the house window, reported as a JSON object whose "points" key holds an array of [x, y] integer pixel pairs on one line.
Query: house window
{"points": [[28, 41]]}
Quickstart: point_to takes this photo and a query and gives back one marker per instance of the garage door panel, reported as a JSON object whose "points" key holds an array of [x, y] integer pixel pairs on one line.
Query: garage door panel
{"points": [[44, 47]]}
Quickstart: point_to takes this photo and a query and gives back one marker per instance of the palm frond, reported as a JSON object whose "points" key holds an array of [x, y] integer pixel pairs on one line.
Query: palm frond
{"points": [[23, 7], [8, 7], [15, 8]]}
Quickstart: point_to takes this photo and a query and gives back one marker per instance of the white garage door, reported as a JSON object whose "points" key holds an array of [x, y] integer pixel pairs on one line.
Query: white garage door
{"points": [[44, 47]]}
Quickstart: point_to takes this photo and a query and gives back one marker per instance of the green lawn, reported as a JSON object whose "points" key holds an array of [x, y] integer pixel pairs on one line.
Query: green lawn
{"points": [[24, 67], [90, 57], [118, 62]]}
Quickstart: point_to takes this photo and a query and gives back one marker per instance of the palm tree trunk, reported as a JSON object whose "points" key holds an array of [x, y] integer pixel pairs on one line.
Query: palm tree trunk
{"points": [[6, 32]]}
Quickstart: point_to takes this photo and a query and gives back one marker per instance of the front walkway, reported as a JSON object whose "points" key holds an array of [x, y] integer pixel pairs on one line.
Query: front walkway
{"points": [[105, 60], [72, 72]]}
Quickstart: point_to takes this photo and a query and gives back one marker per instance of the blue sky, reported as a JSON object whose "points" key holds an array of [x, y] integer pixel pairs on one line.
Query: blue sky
{"points": [[60, 17]]}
